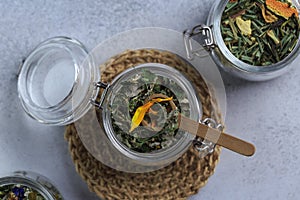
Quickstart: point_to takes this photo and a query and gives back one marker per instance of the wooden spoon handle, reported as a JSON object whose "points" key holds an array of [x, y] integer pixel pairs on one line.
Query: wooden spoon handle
{"points": [[237, 145], [234, 144]]}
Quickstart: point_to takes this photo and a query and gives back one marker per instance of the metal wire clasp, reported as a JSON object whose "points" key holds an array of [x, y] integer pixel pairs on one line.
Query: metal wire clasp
{"points": [[98, 86], [204, 146], [207, 37]]}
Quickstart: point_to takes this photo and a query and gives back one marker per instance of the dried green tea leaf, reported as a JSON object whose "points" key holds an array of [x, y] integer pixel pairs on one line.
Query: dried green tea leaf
{"points": [[233, 28], [244, 26], [272, 35], [242, 12]]}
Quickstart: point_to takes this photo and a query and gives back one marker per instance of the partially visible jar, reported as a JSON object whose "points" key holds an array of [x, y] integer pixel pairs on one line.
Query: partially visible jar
{"points": [[214, 43], [38, 187]]}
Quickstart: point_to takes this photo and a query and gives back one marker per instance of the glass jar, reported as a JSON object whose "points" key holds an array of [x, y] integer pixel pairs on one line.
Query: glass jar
{"points": [[213, 42], [181, 90], [35, 182], [86, 101]]}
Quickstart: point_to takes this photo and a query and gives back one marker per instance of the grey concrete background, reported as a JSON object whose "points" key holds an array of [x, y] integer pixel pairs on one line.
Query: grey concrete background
{"points": [[266, 113]]}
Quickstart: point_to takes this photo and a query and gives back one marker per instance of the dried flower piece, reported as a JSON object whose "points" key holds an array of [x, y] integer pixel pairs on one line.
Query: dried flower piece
{"points": [[244, 26], [20, 192], [267, 15], [141, 111], [281, 9], [272, 35]]}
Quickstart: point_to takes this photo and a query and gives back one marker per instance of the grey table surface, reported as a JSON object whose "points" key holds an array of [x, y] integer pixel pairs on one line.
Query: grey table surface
{"points": [[265, 113]]}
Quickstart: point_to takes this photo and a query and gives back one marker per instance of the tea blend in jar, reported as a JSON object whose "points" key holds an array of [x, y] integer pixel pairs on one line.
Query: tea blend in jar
{"points": [[260, 32], [19, 192], [161, 129], [241, 36], [23, 185]]}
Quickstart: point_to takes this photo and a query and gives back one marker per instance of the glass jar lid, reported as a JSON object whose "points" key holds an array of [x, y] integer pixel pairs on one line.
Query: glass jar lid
{"points": [[52, 85]]}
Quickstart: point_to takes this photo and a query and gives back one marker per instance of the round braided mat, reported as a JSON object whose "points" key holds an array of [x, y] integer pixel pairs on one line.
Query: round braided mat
{"points": [[180, 179]]}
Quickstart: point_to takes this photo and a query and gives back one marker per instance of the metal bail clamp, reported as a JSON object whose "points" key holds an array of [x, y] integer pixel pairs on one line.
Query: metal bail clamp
{"points": [[207, 37], [98, 86], [204, 146]]}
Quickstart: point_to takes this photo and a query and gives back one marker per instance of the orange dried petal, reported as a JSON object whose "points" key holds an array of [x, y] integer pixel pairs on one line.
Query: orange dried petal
{"points": [[267, 15], [281, 8], [139, 115], [141, 111], [157, 100]]}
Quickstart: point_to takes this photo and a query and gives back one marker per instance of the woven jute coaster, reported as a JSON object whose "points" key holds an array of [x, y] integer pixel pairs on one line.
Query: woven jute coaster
{"points": [[180, 179]]}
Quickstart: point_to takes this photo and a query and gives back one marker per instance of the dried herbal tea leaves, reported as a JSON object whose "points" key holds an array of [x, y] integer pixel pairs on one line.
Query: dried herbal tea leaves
{"points": [[19, 192], [260, 32], [132, 98]]}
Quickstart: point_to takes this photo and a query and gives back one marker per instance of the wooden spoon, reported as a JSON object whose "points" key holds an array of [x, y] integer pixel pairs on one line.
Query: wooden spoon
{"points": [[205, 132]]}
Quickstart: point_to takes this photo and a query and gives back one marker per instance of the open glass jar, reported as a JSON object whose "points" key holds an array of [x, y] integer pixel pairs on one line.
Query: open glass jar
{"points": [[100, 109], [29, 185], [159, 139], [211, 38]]}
